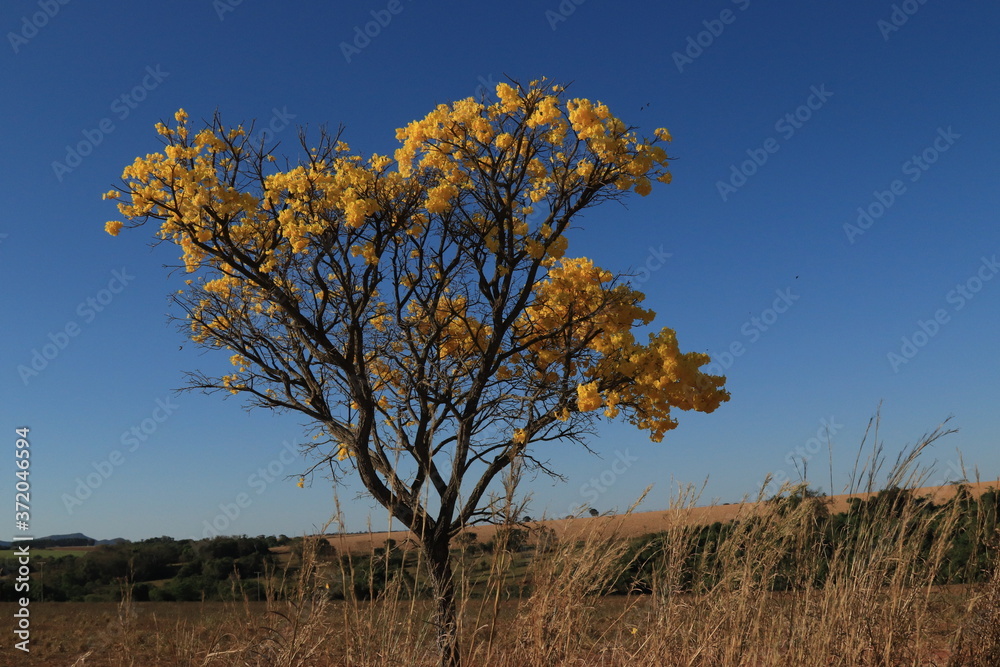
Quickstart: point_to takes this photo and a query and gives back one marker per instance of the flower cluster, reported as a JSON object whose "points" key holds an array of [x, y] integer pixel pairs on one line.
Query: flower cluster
{"points": [[476, 201]]}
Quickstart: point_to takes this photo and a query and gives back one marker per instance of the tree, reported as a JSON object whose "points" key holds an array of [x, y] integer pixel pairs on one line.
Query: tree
{"points": [[466, 539], [546, 539], [508, 538], [419, 310]]}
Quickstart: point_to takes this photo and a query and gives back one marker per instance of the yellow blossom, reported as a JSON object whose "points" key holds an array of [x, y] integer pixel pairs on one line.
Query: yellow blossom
{"points": [[587, 397], [503, 141]]}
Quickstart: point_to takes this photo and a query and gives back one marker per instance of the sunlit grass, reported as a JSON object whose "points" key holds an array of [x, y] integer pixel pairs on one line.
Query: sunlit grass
{"points": [[779, 585]]}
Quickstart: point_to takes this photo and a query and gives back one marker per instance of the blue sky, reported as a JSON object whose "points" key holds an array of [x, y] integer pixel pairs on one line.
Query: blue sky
{"points": [[787, 119]]}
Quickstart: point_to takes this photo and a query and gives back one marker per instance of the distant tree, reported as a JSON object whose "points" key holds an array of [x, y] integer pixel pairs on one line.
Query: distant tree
{"points": [[320, 546], [509, 538], [545, 539], [419, 310], [593, 512], [466, 539]]}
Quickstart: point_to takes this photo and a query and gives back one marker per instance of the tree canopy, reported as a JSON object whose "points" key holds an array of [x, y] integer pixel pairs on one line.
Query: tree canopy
{"points": [[420, 309]]}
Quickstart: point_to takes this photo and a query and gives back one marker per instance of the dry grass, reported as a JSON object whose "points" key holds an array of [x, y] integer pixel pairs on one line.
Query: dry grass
{"points": [[705, 603], [977, 641]]}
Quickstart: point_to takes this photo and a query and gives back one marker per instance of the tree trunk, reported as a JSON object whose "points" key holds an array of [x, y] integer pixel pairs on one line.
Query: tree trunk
{"points": [[445, 614]]}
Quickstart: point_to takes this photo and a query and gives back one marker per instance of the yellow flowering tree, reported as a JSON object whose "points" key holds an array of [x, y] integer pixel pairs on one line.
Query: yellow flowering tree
{"points": [[421, 309]]}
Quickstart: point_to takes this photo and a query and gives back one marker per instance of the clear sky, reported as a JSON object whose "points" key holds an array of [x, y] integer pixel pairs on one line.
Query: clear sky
{"points": [[834, 203]]}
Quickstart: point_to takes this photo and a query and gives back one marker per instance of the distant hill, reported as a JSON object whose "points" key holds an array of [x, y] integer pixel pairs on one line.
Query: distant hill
{"points": [[642, 523], [70, 540]]}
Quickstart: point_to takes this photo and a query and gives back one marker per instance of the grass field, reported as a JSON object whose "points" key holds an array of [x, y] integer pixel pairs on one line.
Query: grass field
{"points": [[161, 634], [878, 607], [783, 583]]}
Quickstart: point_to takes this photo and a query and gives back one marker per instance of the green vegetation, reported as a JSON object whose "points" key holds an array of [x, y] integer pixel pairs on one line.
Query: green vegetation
{"points": [[9, 554], [158, 569]]}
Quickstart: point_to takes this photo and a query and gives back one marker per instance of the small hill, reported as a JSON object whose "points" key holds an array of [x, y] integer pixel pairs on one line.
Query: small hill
{"points": [[69, 540], [641, 523]]}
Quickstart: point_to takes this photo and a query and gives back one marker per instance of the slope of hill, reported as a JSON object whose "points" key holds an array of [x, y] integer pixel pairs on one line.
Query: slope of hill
{"points": [[641, 523]]}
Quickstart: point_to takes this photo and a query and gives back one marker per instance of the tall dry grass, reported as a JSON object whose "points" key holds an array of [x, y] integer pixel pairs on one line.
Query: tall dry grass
{"points": [[779, 586]]}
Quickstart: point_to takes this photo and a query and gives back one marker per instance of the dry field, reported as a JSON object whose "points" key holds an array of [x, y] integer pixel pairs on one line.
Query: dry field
{"points": [[879, 606], [869, 595], [188, 634]]}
